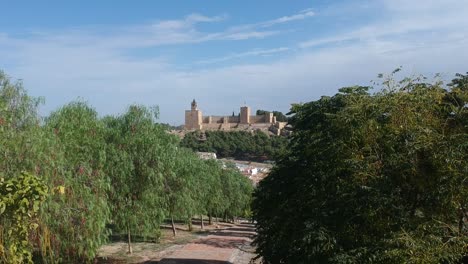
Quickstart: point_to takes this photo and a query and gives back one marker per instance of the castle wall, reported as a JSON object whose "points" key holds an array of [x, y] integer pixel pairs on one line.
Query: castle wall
{"points": [[216, 119], [280, 125], [219, 126], [260, 125], [194, 120], [188, 119], [257, 119], [234, 119], [212, 126]]}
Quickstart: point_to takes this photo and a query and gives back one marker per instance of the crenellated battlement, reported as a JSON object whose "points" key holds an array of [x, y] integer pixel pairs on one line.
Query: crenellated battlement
{"points": [[194, 120]]}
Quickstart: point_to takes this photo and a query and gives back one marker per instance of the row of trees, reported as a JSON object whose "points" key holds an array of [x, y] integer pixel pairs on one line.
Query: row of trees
{"points": [[125, 172], [280, 117], [371, 178], [242, 145]]}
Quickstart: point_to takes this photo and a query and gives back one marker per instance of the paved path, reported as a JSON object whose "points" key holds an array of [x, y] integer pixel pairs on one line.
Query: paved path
{"points": [[230, 244]]}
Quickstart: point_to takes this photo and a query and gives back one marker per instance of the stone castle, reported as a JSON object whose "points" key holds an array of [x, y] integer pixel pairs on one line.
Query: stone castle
{"points": [[194, 120]]}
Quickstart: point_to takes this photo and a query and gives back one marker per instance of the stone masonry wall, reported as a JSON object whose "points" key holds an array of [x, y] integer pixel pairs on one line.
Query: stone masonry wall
{"points": [[194, 119]]}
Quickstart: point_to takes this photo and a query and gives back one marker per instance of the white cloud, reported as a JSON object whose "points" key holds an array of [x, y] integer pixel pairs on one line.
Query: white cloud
{"points": [[258, 52], [65, 65], [405, 19], [201, 18], [159, 33], [169, 32], [304, 14], [249, 35], [299, 16], [188, 22]]}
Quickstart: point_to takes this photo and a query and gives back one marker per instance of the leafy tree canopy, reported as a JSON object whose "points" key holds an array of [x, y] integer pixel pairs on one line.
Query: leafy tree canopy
{"points": [[371, 178], [279, 116], [241, 145]]}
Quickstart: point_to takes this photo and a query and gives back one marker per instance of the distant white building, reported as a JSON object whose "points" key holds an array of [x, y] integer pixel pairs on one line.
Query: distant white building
{"points": [[206, 155]]}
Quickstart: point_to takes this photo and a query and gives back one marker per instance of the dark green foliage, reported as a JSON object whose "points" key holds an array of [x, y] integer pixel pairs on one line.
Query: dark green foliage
{"points": [[371, 178], [280, 117], [241, 145]]}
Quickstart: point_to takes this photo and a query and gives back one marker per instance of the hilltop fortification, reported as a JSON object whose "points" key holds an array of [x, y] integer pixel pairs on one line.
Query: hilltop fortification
{"points": [[194, 120]]}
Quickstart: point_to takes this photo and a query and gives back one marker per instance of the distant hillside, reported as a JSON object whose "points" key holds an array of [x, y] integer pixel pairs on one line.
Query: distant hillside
{"points": [[242, 145]]}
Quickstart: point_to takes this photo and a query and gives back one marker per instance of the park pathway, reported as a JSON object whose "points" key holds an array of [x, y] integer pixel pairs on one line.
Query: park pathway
{"points": [[230, 244]]}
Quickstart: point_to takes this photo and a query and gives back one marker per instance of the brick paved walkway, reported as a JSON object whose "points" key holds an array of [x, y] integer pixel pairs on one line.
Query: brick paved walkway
{"points": [[223, 246]]}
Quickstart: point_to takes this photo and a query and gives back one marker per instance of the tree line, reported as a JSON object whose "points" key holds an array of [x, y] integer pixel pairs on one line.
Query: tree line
{"points": [[280, 117], [371, 178], [71, 179], [241, 145]]}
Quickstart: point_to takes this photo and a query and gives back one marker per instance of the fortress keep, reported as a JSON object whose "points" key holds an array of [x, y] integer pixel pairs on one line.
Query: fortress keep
{"points": [[194, 120]]}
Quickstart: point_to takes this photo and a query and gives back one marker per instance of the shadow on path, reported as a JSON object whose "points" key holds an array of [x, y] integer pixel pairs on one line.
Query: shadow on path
{"points": [[189, 261], [233, 234], [246, 229], [221, 243]]}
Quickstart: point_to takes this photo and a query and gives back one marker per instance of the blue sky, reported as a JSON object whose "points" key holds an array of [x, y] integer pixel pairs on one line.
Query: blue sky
{"points": [[267, 54]]}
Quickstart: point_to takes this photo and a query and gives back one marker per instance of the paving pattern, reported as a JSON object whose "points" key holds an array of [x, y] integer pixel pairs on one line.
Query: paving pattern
{"points": [[228, 245]]}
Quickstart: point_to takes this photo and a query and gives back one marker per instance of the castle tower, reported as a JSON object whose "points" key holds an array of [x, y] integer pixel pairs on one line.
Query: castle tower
{"points": [[194, 105], [193, 117], [245, 115]]}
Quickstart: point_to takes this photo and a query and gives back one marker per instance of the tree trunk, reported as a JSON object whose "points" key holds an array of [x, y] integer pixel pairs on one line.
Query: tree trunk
{"points": [[173, 226], [461, 222], [130, 251], [202, 224], [210, 219], [190, 227]]}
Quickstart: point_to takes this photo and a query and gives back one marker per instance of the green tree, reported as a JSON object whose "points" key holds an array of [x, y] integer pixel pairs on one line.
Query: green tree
{"points": [[370, 178], [20, 200], [125, 172], [26, 146], [78, 219], [237, 190], [135, 149], [280, 117], [180, 184], [241, 145], [213, 192]]}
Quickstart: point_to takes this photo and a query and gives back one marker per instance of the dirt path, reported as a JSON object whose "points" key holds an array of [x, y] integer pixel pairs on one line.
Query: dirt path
{"points": [[226, 244], [230, 244]]}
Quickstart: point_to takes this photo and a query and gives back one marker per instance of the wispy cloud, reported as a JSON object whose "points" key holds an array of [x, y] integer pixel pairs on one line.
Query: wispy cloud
{"points": [[306, 13], [188, 22], [404, 20], [201, 18], [160, 33], [94, 64], [258, 52], [248, 35]]}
